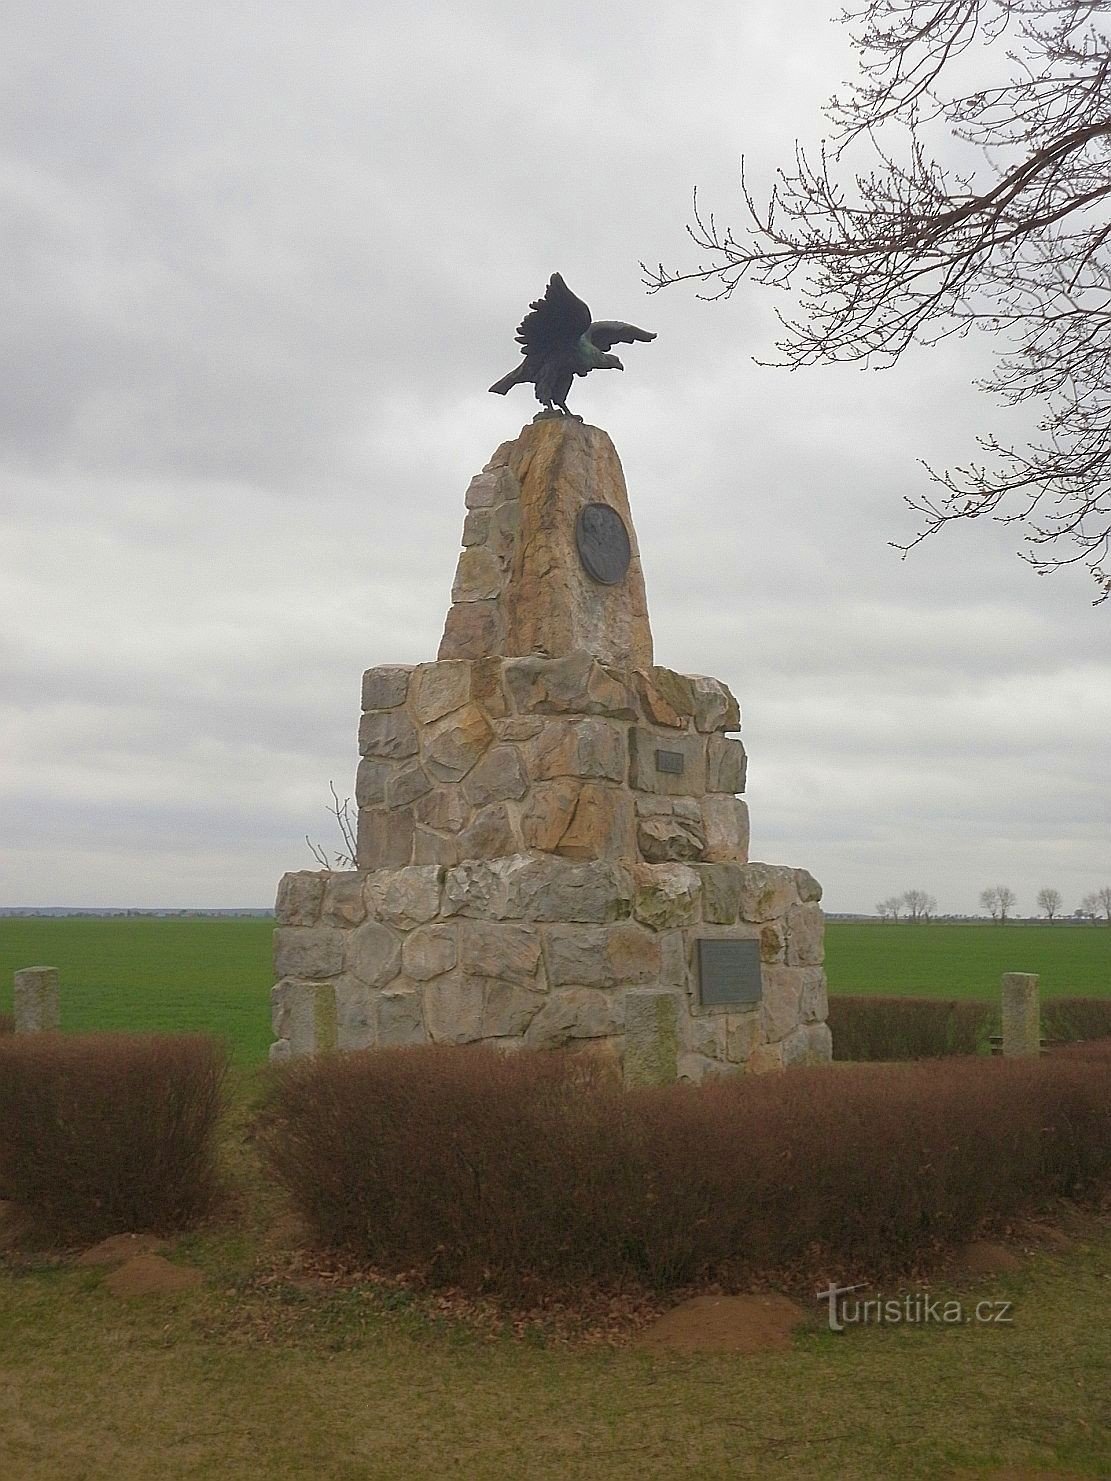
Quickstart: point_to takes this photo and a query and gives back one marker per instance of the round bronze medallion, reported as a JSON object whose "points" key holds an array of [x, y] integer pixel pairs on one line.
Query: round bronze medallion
{"points": [[603, 543]]}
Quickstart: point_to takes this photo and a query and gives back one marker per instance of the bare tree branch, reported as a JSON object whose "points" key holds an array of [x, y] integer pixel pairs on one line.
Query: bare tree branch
{"points": [[910, 249]]}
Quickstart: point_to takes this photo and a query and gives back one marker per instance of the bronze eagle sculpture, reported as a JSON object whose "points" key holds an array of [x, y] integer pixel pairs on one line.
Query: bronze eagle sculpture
{"points": [[560, 341]]}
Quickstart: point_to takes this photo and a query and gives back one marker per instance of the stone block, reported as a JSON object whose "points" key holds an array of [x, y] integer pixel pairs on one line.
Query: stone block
{"points": [[370, 781], [489, 835], [303, 1014], [308, 951], [344, 902], [742, 1035], [299, 898], [668, 839], [406, 897], [773, 941], [810, 891], [387, 735], [400, 1020], [726, 824], [453, 1008], [721, 893], [356, 1014], [805, 936], [673, 959], [472, 630], [544, 888], [487, 688], [651, 1036], [478, 575], [440, 688], [767, 891], [781, 1006], [36, 1000], [492, 486], [765, 1059], [498, 777], [435, 848], [664, 703], [456, 743], [506, 952], [586, 747], [408, 782], [676, 691], [518, 727], [706, 1036], [575, 1013], [601, 956], [384, 837], [507, 1011], [1020, 1014], [576, 684], [644, 772], [385, 687], [444, 808], [476, 527], [667, 895], [428, 952], [809, 1044], [372, 954], [726, 764], [503, 531], [579, 820], [714, 706]]}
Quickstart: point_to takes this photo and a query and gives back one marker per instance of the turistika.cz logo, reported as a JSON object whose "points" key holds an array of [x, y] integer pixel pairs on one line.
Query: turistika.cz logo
{"points": [[912, 1308]]}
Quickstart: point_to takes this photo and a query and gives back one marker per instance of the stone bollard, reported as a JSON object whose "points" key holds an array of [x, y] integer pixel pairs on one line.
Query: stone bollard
{"points": [[304, 1018], [37, 1001], [651, 1036], [1021, 1019]]}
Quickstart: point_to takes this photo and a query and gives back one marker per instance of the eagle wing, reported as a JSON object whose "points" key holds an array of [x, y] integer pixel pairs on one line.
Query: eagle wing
{"points": [[605, 333], [557, 322]]}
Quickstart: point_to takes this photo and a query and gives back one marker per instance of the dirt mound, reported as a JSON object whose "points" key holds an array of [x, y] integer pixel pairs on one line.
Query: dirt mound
{"points": [[981, 1257], [150, 1275], [119, 1247], [741, 1324]]}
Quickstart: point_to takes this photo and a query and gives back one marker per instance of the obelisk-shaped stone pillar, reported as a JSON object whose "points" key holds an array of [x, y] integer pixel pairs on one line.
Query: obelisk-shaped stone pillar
{"points": [[550, 564]]}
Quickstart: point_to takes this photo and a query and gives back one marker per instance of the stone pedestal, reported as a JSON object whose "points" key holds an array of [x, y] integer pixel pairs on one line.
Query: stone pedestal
{"points": [[36, 1001], [549, 823], [1021, 1019]]}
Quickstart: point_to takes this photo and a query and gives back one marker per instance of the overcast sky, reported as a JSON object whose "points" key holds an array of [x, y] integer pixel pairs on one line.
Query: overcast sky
{"points": [[261, 263]]}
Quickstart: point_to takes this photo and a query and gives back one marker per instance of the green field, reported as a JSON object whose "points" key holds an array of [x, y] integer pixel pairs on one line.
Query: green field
{"points": [[966, 961], [145, 973]]}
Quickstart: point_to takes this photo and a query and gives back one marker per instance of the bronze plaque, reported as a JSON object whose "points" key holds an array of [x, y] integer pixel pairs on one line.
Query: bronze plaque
{"points": [[728, 973], [670, 761], [603, 543]]}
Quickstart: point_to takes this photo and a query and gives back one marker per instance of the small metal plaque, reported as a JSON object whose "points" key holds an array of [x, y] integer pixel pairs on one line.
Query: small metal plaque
{"points": [[671, 761], [603, 543], [728, 973]]}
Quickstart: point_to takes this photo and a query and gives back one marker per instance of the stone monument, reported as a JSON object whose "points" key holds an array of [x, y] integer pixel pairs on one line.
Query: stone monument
{"points": [[552, 848]]}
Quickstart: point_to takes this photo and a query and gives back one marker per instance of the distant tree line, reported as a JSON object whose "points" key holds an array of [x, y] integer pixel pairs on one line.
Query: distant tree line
{"points": [[999, 902], [915, 905]]}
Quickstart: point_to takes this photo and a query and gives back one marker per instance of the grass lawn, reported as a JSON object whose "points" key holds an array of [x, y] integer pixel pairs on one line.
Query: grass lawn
{"points": [[138, 973], [966, 961], [216, 975], [268, 1372]]}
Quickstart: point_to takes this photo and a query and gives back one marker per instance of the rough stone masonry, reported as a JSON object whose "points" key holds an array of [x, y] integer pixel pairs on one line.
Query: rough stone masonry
{"points": [[549, 824]]}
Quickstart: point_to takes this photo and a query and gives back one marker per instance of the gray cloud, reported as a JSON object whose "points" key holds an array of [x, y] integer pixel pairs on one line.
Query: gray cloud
{"points": [[260, 270]]}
